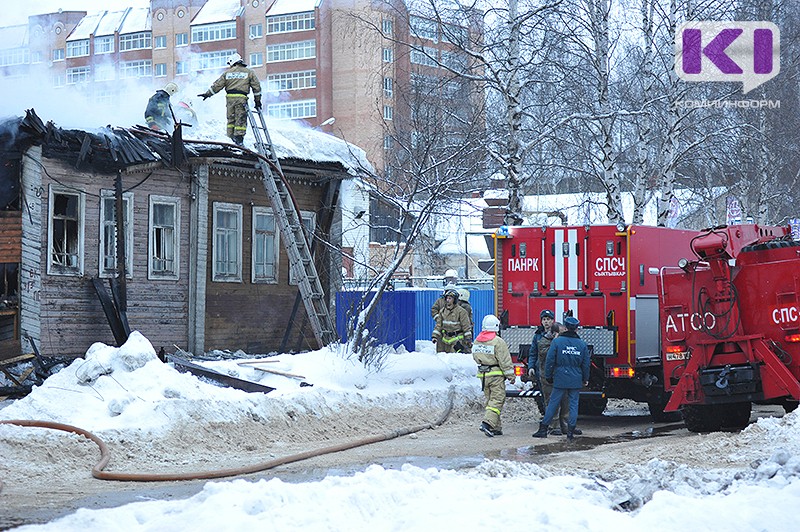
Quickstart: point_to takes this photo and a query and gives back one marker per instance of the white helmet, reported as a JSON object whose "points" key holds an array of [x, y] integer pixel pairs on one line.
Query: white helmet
{"points": [[463, 294], [170, 88], [451, 273], [233, 59], [490, 323]]}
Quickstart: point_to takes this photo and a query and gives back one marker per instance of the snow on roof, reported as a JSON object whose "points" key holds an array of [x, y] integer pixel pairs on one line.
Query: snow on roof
{"points": [[13, 37], [218, 11], [496, 193], [463, 224], [109, 22], [138, 19], [86, 26], [284, 7]]}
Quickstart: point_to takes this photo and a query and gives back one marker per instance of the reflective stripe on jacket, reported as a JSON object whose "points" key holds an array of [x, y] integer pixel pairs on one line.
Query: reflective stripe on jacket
{"points": [[492, 356]]}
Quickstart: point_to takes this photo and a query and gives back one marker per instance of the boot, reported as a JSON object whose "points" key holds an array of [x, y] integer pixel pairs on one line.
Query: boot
{"points": [[570, 433], [238, 140], [487, 429], [542, 432]]}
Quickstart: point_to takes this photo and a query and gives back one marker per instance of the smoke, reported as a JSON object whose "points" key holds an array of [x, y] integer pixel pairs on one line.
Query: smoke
{"points": [[17, 11]]}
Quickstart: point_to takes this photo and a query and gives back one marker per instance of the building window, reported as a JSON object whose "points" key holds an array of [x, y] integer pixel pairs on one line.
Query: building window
{"points": [[292, 22], [136, 69], [387, 142], [160, 42], [388, 55], [104, 44], [58, 80], [108, 233], [387, 26], [36, 57], [181, 39], [78, 75], [266, 248], [219, 31], [289, 81], [256, 31], [309, 221], [160, 70], [181, 68], [135, 41], [164, 230], [15, 56], [388, 112], [105, 72], [104, 96], [256, 59], [211, 60], [388, 87], [58, 54], [423, 28], [227, 245], [291, 51], [293, 110], [425, 56], [65, 233], [78, 48]]}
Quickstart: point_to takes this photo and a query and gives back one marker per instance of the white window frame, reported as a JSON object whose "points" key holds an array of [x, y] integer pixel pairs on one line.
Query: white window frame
{"points": [[388, 112], [210, 60], [423, 57], [142, 68], [388, 55], [291, 22], [309, 221], [127, 205], [225, 277], [276, 247], [388, 87], [293, 110], [182, 39], [78, 75], [135, 41], [217, 31], [255, 31], [292, 51], [181, 68], [58, 54], [159, 42], [423, 28], [292, 81], [165, 274], [105, 72], [77, 268], [387, 27], [104, 45], [160, 70], [78, 48], [257, 59]]}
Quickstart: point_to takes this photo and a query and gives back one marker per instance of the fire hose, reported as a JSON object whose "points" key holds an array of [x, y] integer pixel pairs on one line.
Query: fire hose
{"points": [[105, 456]]}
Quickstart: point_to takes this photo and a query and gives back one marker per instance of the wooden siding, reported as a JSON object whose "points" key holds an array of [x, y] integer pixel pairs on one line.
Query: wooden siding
{"points": [[32, 235], [244, 315], [10, 236], [71, 316]]}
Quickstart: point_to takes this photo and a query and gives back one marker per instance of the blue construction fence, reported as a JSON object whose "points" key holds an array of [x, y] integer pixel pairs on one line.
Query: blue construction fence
{"points": [[403, 315]]}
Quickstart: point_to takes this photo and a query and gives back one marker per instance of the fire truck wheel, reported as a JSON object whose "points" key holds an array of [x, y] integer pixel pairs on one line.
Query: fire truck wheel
{"points": [[735, 415], [701, 418], [659, 416], [789, 405]]}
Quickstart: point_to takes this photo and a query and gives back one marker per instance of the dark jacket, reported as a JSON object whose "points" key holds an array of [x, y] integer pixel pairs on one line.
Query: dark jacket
{"points": [[158, 111], [533, 360], [567, 363]]}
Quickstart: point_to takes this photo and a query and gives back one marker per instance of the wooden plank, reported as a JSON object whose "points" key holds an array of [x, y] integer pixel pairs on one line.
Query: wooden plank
{"points": [[277, 372]]}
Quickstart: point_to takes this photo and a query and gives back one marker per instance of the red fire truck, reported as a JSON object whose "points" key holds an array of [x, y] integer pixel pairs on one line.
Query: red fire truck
{"points": [[605, 276], [730, 326]]}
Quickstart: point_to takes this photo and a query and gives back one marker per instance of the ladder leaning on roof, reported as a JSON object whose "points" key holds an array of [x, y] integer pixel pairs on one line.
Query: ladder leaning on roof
{"points": [[301, 263]]}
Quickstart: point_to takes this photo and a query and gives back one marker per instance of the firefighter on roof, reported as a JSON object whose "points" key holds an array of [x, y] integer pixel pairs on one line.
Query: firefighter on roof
{"points": [[494, 367], [453, 330], [238, 81], [158, 113]]}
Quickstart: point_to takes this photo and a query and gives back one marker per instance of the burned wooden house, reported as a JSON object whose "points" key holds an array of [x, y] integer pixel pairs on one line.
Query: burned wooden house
{"points": [[117, 229]]}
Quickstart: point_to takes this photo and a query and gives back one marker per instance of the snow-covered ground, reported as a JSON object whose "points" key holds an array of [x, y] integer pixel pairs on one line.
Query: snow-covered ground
{"points": [[127, 394]]}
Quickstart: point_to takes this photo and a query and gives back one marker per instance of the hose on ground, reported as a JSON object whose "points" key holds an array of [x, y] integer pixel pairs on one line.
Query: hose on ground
{"points": [[105, 456]]}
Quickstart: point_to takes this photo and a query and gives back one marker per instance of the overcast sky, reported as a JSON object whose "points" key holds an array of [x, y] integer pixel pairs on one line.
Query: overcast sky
{"points": [[17, 11]]}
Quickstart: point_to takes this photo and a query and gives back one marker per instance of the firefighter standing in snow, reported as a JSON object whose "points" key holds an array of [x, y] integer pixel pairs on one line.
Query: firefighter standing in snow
{"points": [[158, 113], [450, 278], [237, 81], [453, 328], [494, 367], [567, 369]]}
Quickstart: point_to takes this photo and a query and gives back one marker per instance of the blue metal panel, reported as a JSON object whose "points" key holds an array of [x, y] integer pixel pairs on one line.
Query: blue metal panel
{"points": [[482, 302], [391, 323]]}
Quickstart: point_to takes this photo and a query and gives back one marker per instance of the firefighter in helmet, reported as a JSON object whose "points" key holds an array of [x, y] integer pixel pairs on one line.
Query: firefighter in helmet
{"points": [[453, 330], [450, 278], [238, 81], [494, 367], [463, 300], [158, 113]]}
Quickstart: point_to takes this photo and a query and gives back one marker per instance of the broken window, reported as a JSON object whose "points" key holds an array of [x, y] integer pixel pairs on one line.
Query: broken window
{"points": [[265, 246], [164, 241], [227, 244], [66, 233], [108, 233]]}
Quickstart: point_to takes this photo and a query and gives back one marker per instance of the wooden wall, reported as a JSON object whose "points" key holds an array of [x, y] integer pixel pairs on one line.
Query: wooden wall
{"points": [[244, 315], [71, 318]]}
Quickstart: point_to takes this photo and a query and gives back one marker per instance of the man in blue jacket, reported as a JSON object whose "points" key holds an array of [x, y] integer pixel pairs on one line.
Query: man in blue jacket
{"points": [[567, 369]]}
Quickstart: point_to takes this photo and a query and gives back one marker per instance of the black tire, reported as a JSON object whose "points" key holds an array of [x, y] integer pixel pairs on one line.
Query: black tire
{"points": [[592, 406], [789, 405], [701, 418], [659, 416], [735, 415]]}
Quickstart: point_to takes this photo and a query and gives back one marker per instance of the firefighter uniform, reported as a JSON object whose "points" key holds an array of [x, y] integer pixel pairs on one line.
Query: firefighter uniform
{"points": [[453, 330], [237, 81], [491, 354]]}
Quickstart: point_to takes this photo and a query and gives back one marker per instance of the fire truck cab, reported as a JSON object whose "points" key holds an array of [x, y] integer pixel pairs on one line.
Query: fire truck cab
{"points": [[605, 276]]}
